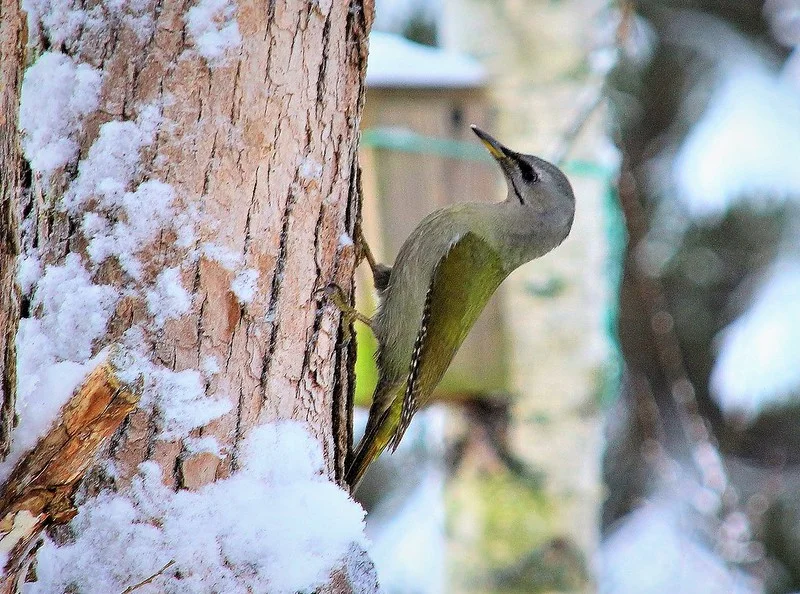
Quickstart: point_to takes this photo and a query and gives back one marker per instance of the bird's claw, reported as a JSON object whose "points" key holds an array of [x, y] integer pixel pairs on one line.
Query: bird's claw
{"points": [[336, 295]]}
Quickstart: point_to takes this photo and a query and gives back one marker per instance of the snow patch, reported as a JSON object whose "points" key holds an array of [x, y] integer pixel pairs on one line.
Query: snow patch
{"points": [[345, 240], [244, 286], [745, 147], [223, 256], [75, 312], [758, 366], [44, 387], [398, 62], [213, 28], [181, 400], [61, 22], [168, 299], [113, 161], [277, 526], [143, 213], [54, 350], [57, 94], [201, 445], [29, 271], [178, 397], [58, 19], [209, 366], [310, 169]]}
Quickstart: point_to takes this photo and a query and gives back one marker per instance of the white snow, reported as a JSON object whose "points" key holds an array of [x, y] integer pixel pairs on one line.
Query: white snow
{"points": [[745, 146], [181, 400], [209, 366], [276, 526], [345, 240], [44, 386], [54, 350], [244, 285], [143, 213], [61, 22], [57, 93], [398, 62], [178, 397], [113, 162], [758, 366], [310, 169], [59, 19], [74, 310], [29, 271], [225, 257], [213, 28], [654, 551], [197, 445], [168, 299]]}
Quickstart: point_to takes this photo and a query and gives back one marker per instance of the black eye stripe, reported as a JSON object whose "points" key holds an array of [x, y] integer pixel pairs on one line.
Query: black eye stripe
{"points": [[528, 174]]}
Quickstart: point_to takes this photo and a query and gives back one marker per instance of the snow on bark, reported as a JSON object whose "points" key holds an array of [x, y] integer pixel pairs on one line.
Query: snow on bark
{"points": [[244, 285], [54, 350], [278, 525], [62, 21], [213, 27], [57, 94]]}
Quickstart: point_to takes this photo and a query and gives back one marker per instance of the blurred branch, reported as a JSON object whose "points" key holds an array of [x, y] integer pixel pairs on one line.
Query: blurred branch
{"points": [[593, 100], [596, 91], [696, 431], [148, 580]]}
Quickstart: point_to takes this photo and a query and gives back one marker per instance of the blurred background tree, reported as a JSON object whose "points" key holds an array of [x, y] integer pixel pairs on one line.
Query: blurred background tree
{"points": [[706, 429], [665, 461]]}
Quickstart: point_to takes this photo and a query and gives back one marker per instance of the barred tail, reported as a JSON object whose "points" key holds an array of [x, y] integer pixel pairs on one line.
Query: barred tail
{"points": [[381, 427]]}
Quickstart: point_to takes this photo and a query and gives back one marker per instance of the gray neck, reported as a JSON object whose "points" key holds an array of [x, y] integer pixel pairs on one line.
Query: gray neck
{"points": [[522, 232]]}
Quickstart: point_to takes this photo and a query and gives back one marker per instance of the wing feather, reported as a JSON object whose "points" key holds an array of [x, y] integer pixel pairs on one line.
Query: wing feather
{"points": [[461, 285]]}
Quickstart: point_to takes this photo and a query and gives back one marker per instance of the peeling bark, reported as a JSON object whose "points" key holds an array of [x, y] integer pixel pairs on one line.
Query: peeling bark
{"points": [[38, 492]]}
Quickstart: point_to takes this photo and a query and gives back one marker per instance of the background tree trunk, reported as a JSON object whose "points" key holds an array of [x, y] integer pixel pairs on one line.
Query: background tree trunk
{"points": [[254, 133]]}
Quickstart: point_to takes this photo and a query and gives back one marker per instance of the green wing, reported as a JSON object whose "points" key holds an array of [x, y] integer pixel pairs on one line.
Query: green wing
{"points": [[462, 284]]}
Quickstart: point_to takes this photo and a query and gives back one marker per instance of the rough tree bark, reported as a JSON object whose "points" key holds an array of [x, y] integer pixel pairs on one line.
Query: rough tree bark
{"points": [[257, 143], [11, 61]]}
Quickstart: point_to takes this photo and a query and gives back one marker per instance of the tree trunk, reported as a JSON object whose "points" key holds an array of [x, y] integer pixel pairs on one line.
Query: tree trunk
{"points": [[11, 60], [194, 187]]}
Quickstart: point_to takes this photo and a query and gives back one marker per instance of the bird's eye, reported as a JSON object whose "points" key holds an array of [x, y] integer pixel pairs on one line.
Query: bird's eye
{"points": [[528, 174]]}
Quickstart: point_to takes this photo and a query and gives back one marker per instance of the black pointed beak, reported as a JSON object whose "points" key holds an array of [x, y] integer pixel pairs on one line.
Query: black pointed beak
{"points": [[504, 156]]}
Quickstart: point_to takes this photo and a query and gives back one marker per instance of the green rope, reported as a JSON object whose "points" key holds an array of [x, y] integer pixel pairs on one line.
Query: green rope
{"points": [[406, 141], [616, 239]]}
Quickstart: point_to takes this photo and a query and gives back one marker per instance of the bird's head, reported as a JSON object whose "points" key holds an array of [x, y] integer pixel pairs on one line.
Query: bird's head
{"points": [[531, 181]]}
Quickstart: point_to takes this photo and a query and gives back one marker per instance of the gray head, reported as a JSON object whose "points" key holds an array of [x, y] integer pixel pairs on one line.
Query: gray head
{"points": [[531, 181]]}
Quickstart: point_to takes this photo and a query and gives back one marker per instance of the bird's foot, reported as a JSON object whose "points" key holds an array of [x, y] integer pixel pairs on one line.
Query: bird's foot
{"points": [[380, 272], [336, 295]]}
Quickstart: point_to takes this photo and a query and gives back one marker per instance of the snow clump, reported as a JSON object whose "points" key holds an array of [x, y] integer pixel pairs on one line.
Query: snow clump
{"points": [[278, 526]]}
